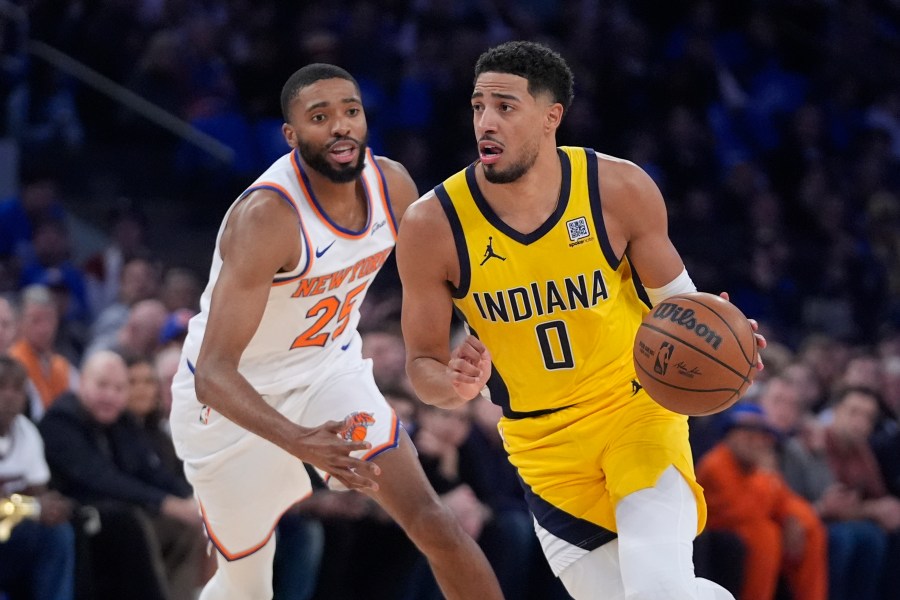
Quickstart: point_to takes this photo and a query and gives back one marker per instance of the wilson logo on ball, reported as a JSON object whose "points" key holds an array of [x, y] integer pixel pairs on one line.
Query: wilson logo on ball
{"points": [[686, 318]]}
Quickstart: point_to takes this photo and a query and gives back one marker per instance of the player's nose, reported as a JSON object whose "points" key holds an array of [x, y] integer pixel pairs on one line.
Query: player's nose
{"points": [[485, 121]]}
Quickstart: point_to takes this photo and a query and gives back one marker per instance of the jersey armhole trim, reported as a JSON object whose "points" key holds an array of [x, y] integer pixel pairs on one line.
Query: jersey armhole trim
{"points": [[385, 194], [274, 187], [593, 180], [459, 240]]}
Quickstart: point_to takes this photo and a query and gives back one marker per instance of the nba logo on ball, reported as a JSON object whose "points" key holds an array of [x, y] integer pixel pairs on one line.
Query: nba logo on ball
{"points": [[662, 358], [716, 358]]}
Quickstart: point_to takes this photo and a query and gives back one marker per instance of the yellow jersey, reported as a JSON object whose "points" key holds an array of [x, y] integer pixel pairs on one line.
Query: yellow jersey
{"points": [[556, 307]]}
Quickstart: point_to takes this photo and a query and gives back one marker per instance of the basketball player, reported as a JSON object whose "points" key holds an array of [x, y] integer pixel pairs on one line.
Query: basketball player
{"points": [[271, 372], [607, 472]]}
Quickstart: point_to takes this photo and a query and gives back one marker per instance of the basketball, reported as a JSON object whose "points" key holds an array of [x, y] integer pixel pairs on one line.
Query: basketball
{"points": [[695, 354]]}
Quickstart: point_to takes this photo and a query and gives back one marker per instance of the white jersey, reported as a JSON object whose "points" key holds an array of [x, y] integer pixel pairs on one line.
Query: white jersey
{"points": [[311, 316]]}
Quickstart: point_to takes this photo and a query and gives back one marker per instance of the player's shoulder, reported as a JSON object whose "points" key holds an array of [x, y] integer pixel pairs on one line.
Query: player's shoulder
{"points": [[619, 174], [401, 187], [426, 211]]}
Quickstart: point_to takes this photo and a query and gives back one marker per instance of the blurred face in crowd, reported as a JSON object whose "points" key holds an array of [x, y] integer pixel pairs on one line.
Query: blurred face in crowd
{"points": [[782, 404], [328, 126], [104, 387], [855, 417], [140, 280], [143, 385], [449, 426], [39, 324], [7, 325], [751, 446]]}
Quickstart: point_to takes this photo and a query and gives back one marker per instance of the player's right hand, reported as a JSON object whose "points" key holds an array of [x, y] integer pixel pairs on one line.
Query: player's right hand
{"points": [[324, 447], [469, 367]]}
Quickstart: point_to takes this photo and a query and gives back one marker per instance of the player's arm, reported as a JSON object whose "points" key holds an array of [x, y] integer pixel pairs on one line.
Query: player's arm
{"points": [[425, 255], [639, 210], [401, 187], [261, 238]]}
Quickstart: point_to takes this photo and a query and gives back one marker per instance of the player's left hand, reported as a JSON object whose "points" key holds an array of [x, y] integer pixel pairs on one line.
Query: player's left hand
{"points": [[760, 339], [469, 367]]}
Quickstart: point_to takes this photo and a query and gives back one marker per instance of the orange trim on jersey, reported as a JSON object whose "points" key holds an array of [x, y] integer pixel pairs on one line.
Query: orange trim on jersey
{"points": [[310, 198], [229, 556], [382, 187]]}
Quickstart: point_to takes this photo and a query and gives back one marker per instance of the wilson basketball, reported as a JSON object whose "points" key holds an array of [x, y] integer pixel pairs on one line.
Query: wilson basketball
{"points": [[695, 354]]}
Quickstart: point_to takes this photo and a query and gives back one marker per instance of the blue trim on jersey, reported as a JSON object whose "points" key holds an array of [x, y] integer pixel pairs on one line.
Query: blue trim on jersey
{"points": [[524, 238], [597, 210], [314, 200], [190, 366], [578, 532], [290, 201], [638, 284], [459, 240], [392, 446], [387, 194]]}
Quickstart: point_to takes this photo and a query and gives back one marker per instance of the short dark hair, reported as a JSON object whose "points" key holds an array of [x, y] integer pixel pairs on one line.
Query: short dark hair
{"points": [[308, 75], [545, 69]]}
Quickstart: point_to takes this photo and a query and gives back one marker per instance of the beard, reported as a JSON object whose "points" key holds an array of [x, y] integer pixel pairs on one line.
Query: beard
{"points": [[317, 160], [514, 171]]}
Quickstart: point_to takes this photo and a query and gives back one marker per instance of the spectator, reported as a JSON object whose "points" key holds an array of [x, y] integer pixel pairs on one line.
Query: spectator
{"points": [[745, 495], [104, 269], [145, 405], [38, 559], [37, 201], [138, 280], [856, 546], [99, 455], [856, 412], [50, 373], [7, 324], [139, 335], [180, 289]]}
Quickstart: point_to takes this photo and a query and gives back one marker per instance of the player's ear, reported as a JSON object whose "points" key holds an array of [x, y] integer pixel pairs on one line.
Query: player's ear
{"points": [[290, 136], [553, 117]]}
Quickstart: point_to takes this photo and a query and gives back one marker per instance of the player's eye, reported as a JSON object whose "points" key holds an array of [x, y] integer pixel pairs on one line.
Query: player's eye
{"points": [[318, 118], [506, 107], [477, 107], [353, 112]]}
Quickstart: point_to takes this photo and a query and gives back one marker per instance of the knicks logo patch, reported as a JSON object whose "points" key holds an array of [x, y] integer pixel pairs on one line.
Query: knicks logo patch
{"points": [[357, 427]]}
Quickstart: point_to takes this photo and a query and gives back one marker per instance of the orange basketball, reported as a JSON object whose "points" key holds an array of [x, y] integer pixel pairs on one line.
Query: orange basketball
{"points": [[695, 354]]}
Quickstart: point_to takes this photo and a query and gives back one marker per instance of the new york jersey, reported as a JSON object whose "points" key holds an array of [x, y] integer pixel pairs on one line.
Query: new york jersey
{"points": [[556, 307], [312, 312]]}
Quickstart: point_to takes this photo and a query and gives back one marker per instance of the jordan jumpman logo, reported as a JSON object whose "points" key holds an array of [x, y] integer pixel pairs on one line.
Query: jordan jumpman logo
{"points": [[489, 252]]}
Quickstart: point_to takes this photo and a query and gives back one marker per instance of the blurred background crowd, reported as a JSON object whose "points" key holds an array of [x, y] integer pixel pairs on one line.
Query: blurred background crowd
{"points": [[772, 129]]}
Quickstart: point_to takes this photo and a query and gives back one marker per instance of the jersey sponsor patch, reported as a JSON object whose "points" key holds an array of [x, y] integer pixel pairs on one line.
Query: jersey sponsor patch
{"points": [[578, 229]]}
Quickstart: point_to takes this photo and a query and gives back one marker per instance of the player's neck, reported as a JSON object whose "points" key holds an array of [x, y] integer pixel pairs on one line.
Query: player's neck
{"points": [[529, 200], [344, 203]]}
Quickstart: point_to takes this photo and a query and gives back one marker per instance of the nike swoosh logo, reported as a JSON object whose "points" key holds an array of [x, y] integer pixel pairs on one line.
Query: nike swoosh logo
{"points": [[319, 252]]}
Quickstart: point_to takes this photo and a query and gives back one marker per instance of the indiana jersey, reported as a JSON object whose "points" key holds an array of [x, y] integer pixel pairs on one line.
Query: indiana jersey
{"points": [[311, 315], [556, 307]]}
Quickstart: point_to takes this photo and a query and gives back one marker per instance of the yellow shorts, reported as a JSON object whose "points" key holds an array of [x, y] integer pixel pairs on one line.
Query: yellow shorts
{"points": [[578, 463]]}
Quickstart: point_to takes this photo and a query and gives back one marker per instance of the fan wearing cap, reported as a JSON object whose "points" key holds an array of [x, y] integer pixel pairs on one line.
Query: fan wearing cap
{"points": [[747, 496]]}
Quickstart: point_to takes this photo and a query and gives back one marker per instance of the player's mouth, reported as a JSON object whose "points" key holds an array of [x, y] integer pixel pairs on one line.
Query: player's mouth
{"points": [[489, 152], [344, 152]]}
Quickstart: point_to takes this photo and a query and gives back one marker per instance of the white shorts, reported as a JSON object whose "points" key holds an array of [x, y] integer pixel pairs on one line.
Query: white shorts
{"points": [[244, 482]]}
